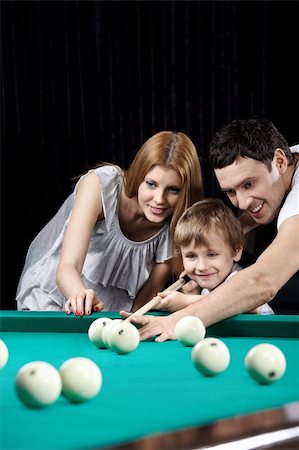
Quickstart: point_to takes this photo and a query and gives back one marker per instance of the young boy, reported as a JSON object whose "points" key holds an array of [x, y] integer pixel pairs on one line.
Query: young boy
{"points": [[209, 241]]}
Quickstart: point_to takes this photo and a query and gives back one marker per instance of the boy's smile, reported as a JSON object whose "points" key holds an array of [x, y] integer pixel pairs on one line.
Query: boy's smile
{"points": [[210, 263]]}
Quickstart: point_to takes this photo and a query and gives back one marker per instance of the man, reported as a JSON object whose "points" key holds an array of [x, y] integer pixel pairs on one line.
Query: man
{"points": [[260, 175]]}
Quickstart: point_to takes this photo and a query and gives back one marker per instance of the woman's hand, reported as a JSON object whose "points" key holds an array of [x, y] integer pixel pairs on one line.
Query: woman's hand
{"points": [[83, 303]]}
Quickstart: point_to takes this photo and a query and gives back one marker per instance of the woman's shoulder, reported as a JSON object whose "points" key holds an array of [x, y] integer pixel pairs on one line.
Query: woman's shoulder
{"points": [[109, 169], [104, 175], [108, 175]]}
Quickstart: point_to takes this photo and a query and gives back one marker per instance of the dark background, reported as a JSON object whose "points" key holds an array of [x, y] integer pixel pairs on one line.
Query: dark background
{"points": [[84, 82]]}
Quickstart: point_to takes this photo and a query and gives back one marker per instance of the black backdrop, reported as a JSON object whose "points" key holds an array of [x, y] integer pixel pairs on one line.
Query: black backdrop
{"points": [[83, 82]]}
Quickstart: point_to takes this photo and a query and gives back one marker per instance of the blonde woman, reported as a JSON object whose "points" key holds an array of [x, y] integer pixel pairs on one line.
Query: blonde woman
{"points": [[110, 244]]}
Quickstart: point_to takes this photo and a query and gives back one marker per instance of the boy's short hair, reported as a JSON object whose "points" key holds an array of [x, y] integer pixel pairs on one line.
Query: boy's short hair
{"points": [[197, 221]]}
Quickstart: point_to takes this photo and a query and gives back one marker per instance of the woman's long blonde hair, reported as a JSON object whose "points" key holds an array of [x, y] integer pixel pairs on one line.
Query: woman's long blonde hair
{"points": [[174, 150]]}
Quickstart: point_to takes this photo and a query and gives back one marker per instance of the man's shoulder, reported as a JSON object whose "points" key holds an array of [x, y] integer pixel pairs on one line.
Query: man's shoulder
{"points": [[295, 148]]}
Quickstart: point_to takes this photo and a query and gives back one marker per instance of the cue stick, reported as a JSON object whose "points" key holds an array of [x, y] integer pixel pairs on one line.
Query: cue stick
{"points": [[176, 286]]}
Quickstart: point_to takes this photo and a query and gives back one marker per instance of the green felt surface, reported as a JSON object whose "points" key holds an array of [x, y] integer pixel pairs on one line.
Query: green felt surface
{"points": [[153, 389]]}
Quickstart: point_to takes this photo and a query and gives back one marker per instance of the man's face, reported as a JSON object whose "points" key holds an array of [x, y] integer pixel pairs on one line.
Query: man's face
{"points": [[251, 187]]}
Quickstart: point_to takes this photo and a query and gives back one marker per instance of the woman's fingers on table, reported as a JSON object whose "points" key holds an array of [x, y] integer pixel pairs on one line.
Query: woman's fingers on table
{"points": [[67, 306], [98, 305], [84, 302]]}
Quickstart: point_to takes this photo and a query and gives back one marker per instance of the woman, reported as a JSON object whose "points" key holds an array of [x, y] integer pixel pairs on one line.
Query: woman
{"points": [[109, 246]]}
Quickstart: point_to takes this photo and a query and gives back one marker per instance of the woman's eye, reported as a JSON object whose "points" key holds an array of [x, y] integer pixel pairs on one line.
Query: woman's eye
{"points": [[150, 184], [174, 190]]}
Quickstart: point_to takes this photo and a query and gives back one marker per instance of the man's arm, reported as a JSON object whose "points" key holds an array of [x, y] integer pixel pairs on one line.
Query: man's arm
{"points": [[248, 289]]}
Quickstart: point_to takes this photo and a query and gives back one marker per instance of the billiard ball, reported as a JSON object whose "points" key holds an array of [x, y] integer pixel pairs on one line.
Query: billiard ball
{"points": [[4, 354], [95, 331], [210, 356], [123, 338], [107, 331], [38, 384], [189, 330], [81, 379], [265, 363]]}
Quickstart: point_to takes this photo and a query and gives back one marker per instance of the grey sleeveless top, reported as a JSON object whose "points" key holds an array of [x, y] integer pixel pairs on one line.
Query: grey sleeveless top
{"points": [[115, 267]]}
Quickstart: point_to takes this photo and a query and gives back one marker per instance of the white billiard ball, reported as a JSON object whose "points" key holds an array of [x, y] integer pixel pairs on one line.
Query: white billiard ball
{"points": [[38, 384], [210, 356], [107, 331], [123, 338], [265, 363], [189, 330], [95, 331], [4, 354], [81, 379]]}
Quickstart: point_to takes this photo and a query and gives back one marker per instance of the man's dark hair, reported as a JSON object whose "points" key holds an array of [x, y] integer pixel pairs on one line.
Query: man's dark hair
{"points": [[255, 138]]}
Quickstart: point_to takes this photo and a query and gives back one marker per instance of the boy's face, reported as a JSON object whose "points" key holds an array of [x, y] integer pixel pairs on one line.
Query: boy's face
{"points": [[209, 265], [251, 187]]}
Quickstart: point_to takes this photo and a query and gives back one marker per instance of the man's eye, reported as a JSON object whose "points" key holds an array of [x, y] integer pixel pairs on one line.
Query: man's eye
{"points": [[248, 185], [230, 193]]}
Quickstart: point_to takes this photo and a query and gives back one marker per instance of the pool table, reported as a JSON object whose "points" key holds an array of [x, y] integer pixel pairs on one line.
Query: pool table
{"points": [[152, 398]]}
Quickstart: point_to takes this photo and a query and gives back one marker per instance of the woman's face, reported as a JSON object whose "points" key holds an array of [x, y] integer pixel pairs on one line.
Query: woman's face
{"points": [[159, 192]]}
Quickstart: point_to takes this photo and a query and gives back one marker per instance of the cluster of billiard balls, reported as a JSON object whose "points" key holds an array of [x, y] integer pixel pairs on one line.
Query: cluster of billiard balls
{"points": [[118, 335], [264, 362]]}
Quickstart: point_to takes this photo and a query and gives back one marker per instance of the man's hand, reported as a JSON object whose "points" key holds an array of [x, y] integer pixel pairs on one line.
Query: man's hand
{"points": [[149, 326]]}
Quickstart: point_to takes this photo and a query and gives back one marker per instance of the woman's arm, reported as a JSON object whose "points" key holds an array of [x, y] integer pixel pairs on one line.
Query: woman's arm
{"points": [[86, 211], [158, 278]]}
